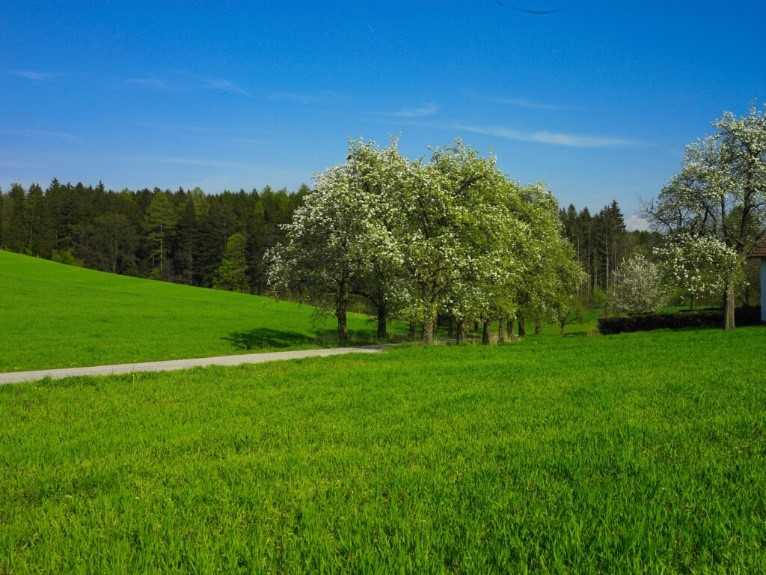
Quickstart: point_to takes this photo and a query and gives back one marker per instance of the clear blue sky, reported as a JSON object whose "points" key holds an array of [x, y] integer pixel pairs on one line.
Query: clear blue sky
{"points": [[595, 98]]}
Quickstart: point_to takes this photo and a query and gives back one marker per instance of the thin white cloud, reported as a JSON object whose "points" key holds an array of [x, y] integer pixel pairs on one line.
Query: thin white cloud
{"points": [[425, 111], [226, 86], [636, 223], [518, 102], [33, 75], [184, 81], [547, 137], [148, 82]]}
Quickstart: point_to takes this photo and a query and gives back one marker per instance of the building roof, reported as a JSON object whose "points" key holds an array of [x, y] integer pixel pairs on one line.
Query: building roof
{"points": [[759, 251]]}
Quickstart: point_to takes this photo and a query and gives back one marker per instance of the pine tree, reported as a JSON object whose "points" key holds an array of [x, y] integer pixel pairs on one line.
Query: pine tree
{"points": [[160, 223], [184, 242], [15, 219], [41, 239], [232, 273]]}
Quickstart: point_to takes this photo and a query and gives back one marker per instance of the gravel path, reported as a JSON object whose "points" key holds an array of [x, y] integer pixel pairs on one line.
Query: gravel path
{"points": [[176, 364]]}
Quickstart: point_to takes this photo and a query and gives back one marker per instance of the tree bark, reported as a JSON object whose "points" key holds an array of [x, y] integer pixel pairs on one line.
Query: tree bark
{"points": [[459, 331], [382, 319], [510, 329], [413, 329], [341, 314], [451, 327], [485, 332], [501, 330], [341, 310], [428, 330], [729, 322], [522, 326]]}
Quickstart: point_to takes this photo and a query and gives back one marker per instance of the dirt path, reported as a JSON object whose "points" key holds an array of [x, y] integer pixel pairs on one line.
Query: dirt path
{"points": [[176, 364]]}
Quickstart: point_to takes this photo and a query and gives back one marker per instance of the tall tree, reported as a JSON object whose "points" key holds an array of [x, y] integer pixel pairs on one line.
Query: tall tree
{"points": [[160, 223], [721, 192], [551, 274], [40, 239], [440, 215], [15, 220], [232, 273], [107, 243], [326, 245], [378, 174], [184, 241]]}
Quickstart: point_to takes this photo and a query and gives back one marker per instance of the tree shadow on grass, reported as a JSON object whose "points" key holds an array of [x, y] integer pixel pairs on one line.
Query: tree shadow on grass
{"points": [[580, 333], [265, 338], [261, 338]]}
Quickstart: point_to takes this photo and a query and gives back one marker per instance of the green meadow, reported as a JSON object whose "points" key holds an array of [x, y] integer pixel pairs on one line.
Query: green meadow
{"points": [[639, 453], [54, 315]]}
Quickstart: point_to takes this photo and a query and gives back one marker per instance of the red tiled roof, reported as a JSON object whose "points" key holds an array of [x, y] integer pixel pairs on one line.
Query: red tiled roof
{"points": [[759, 251]]}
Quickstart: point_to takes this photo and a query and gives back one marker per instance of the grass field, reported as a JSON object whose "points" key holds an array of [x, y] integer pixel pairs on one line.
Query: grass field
{"points": [[633, 453], [53, 315]]}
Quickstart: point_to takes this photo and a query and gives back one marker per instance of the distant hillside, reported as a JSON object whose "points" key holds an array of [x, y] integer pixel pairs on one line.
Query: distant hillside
{"points": [[54, 315]]}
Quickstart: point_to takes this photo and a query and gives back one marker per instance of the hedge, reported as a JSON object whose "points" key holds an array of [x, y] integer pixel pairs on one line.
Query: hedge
{"points": [[703, 318]]}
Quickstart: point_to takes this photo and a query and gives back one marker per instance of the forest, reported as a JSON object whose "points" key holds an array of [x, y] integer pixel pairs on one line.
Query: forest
{"points": [[177, 236]]}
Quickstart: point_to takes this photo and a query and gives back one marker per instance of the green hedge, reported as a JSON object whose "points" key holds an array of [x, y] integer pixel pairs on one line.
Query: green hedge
{"points": [[681, 320]]}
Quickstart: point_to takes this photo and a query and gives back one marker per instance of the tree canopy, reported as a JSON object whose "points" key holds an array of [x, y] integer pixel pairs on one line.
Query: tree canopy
{"points": [[720, 193], [451, 235]]}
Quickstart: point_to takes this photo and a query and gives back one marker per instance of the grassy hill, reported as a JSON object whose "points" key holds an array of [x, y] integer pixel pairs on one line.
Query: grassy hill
{"points": [[53, 315], [638, 453]]}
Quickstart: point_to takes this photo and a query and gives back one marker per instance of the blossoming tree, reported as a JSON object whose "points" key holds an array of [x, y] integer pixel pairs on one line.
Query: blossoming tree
{"points": [[638, 286], [721, 192], [701, 266], [418, 238]]}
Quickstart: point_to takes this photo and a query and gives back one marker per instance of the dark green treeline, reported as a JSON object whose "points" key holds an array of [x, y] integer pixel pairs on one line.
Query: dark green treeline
{"points": [[178, 236]]}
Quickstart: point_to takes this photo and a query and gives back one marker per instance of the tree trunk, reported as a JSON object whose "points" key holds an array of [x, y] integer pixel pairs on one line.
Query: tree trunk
{"points": [[538, 326], [428, 330], [429, 325], [485, 332], [510, 329], [459, 331], [382, 317], [451, 327], [501, 330], [341, 314], [341, 311], [731, 306], [413, 329], [522, 326]]}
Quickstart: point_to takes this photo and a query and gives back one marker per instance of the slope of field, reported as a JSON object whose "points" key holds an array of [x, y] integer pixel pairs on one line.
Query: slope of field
{"points": [[624, 454], [53, 315]]}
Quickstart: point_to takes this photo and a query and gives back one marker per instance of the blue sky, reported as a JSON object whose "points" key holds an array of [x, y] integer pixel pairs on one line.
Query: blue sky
{"points": [[596, 99]]}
